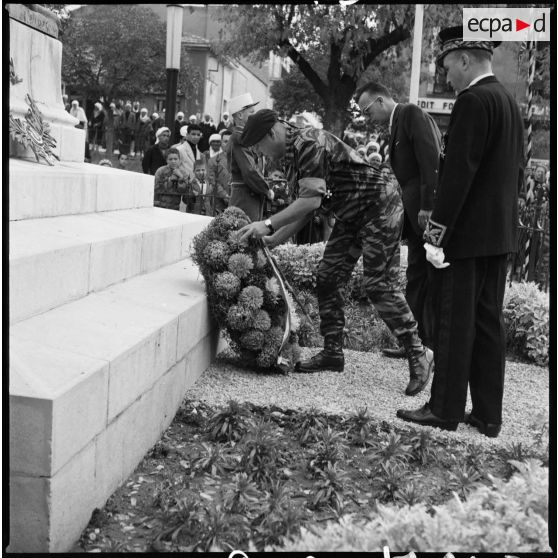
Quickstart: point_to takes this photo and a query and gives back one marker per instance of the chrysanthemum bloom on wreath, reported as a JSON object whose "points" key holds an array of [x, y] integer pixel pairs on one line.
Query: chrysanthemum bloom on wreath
{"points": [[241, 265], [251, 298], [246, 294], [261, 320], [217, 254], [226, 284]]}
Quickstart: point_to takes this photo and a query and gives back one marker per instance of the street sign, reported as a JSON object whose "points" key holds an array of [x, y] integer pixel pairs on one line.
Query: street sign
{"points": [[435, 105]]}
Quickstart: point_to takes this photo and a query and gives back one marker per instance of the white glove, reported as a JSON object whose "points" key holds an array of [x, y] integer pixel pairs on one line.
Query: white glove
{"points": [[435, 256]]}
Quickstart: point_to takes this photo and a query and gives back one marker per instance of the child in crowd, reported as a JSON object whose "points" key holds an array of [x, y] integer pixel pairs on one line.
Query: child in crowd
{"points": [[196, 199], [170, 183], [123, 161]]}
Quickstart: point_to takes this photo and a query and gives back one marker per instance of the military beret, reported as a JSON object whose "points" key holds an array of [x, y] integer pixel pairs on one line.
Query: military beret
{"points": [[257, 126], [451, 38]]}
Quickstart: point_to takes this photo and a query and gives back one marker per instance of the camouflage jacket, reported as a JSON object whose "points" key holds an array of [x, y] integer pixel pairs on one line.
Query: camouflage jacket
{"points": [[319, 164]]}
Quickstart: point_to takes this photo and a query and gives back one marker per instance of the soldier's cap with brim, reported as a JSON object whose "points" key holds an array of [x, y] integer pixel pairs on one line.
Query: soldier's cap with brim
{"points": [[257, 126], [451, 38]]}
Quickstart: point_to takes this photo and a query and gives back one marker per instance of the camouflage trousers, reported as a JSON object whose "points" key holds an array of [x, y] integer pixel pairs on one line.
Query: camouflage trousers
{"points": [[376, 236]]}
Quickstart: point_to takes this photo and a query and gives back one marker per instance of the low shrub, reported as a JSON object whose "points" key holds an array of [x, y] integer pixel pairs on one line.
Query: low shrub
{"points": [[299, 264], [526, 308], [527, 321], [505, 517]]}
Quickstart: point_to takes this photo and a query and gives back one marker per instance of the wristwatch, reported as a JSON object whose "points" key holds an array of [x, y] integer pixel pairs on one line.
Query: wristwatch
{"points": [[268, 224]]}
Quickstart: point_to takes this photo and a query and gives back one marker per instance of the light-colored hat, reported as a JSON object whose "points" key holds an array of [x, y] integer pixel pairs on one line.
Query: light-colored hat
{"points": [[99, 106], [214, 137], [155, 115], [236, 104], [371, 144], [184, 131], [161, 130], [225, 113], [193, 117], [179, 113], [143, 110]]}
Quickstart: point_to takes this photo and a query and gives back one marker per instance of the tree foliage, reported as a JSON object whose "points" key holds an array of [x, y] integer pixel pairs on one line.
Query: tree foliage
{"points": [[119, 51], [113, 50], [347, 39], [293, 92]]}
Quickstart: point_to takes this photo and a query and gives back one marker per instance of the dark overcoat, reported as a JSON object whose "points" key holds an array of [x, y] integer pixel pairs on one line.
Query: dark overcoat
{"points": [[481, 171]]}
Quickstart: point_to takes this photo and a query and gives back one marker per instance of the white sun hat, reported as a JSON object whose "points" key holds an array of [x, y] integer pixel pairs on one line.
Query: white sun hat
{"points": [[236, 104]]}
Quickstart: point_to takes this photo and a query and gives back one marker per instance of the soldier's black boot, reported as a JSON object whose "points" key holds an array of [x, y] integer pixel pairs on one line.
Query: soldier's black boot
{"points": [[421, 363], [395, 353], [322, 361], [330, 358]]}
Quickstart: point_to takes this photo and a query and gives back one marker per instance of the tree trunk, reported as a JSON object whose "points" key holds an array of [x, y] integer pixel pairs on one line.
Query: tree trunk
{"points": [[335, 121], [337, 117]]}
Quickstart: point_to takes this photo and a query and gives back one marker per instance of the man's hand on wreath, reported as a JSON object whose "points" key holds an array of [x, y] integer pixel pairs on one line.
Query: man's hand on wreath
{"points": [[253, 230]]}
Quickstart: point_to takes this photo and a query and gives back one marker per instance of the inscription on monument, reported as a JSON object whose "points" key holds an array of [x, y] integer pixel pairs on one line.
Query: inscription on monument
{"points": [[46, 24]]}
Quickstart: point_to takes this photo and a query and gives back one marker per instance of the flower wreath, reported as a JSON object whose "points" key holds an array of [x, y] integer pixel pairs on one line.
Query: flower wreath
{"points": [[246, 294]]}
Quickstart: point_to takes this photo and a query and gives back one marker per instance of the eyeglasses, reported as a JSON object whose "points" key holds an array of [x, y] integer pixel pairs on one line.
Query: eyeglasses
{"points": [[365, 109]]}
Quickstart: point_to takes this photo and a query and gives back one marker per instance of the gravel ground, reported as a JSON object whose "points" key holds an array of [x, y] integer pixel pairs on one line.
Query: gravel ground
{"points": [[374, 381]]}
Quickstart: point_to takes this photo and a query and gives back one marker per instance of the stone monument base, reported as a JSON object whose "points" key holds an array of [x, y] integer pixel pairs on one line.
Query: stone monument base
{"points": [[109, 327]]}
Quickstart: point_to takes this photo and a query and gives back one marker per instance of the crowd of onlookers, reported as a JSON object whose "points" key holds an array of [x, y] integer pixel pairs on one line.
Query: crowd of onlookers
{"points": [[189, 161]]}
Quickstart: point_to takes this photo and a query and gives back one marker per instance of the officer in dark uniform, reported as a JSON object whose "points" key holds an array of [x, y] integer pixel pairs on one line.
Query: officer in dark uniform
{"points": [[473, 226], [414, 150], [323, 171], [249, 188]]}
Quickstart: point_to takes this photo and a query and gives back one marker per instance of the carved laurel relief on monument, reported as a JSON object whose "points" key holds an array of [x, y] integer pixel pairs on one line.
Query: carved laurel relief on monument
{"points": [[33, 132]]}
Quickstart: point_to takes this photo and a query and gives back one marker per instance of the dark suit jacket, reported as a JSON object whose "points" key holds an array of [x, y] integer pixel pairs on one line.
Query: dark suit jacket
{"points": [[153, 159], [475, 212], [414, 149]]}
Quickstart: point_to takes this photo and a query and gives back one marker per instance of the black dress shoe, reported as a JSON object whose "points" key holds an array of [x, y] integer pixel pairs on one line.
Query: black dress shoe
{"points": [[424, 417], [486, 428], [395, 353], [321, 361]]}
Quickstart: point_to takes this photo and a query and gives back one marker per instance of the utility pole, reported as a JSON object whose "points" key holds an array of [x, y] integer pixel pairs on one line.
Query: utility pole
{"points": [[417, 51], [175, 13]]}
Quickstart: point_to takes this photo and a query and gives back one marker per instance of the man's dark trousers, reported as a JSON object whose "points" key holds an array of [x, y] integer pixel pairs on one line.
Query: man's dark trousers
{"points": [[417, 290], [470, 341]]}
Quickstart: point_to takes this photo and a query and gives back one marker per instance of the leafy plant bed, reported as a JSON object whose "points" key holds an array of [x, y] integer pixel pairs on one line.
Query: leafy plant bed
{"points": [[249, 476], [364, 329]]}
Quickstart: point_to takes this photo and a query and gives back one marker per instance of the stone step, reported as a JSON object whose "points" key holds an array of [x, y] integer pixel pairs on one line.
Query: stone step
{"points": [[58, 259], [93, 384], [39, 190]]}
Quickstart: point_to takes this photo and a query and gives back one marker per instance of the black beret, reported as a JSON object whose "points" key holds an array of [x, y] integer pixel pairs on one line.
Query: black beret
{"points": [[451, 38], [257, 126]]}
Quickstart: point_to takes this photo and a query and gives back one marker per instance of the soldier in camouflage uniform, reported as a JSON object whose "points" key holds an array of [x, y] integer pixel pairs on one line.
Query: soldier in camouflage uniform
{"points": [[323, 171]]}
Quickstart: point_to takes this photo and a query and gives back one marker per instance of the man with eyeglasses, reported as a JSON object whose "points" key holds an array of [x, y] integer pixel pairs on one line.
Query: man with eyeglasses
{"points": [[322, 171], [414, 149]]}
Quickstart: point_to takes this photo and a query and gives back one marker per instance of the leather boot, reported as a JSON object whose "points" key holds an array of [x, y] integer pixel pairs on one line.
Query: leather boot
{"points": [[395, 353], [421, 363], [330, 358], [322, 361]]}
